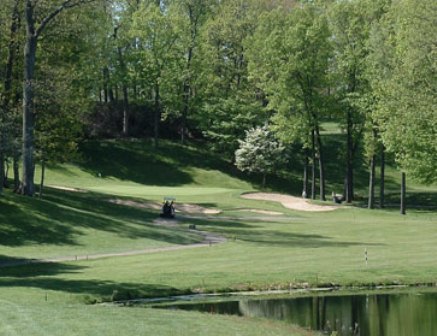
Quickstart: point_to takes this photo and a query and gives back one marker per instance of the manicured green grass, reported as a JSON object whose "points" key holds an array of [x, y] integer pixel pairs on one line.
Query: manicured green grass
{"points": [[315, 248], [262, 252], [40, 318], [68, 224]]}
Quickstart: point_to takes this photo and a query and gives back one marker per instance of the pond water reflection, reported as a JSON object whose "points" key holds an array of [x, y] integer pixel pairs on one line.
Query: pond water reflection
{"points": [[398, 314]]}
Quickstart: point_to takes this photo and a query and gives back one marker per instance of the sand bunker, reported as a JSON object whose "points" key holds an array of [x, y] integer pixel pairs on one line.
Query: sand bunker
{"points": [[291, 202], [180, 207]]}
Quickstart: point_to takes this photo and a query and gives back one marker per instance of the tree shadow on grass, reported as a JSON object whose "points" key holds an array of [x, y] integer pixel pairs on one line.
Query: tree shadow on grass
{"points": [[414, 200], [62, 216], [140, 162], [27, 222], [132, 161], [30, 268], [251, 234], [130, 222], [43, 276]]}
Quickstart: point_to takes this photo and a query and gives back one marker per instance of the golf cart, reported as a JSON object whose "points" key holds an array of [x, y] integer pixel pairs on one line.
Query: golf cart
{"points": [[168, 210]]}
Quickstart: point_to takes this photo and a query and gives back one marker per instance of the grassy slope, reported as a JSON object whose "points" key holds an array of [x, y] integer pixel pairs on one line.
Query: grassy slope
{"points": [[40, 300], [298, 247], [68, 224], [56, 318]]}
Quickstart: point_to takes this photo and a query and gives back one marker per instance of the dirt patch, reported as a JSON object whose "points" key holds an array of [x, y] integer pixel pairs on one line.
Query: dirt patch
{"points": [[290, 202], [195, 209], [66, 188], [135, 204], [180, 207]]}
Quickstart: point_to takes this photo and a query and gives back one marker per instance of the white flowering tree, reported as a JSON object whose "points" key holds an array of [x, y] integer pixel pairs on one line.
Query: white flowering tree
{"points": [[260, 152]]}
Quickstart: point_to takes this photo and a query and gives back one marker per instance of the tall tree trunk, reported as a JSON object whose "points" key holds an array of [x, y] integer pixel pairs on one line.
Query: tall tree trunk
{"points": [[27, 186], [105, 84], [111, 97], [2, 171], [264, 180], [187, 95], [16, 169], [403, 194], [305, 176], [371, 202], [349, 159], [124, 88], [157, 116], [43, 172], [6, 176], [116, 95], [382, 179], [125, 111], [185, 111], [321, 164], [313, 165]]}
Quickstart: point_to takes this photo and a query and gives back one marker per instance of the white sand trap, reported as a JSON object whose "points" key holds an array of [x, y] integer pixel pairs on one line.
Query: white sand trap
{"points": [[291, 202], [180, 207]]}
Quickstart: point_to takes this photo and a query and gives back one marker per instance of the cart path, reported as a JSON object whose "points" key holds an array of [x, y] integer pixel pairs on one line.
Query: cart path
{"points": [[208, 240]]}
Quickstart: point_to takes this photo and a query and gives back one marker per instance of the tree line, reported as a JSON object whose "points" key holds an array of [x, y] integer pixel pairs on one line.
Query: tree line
{"points": [[215, 69]]}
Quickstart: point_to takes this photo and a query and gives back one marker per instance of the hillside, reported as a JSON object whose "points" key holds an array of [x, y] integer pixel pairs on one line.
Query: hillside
{"points": [[105, 207]]}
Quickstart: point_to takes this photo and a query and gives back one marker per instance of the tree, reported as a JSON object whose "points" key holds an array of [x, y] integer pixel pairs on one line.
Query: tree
{"points": [[259, 152], [229, 103], [289, 60], [349, 24], [117, 54], [194, 13], [402, 67], [38, 15], [158, 54], [61, 90]]}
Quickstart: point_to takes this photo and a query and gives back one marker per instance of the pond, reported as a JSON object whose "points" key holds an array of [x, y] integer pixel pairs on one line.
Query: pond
{"points": [[405, 313]]}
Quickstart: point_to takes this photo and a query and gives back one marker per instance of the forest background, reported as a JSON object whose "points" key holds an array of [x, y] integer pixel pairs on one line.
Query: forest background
{"points": [[217, 72]]}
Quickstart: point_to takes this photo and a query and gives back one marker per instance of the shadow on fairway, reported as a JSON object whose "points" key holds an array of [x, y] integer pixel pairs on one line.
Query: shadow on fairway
{"points": [[27, 221], [29, 270], [414, 200], [36, 276], [132, 161], [61, 217], [252, 234], [140, 162]]}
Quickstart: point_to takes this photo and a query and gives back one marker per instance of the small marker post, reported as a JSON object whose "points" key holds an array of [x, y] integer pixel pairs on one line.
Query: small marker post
{"points": [[365, 255]]}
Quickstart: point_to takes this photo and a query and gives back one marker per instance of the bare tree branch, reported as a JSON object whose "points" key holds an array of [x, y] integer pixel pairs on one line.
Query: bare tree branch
{"points": [[65, 5]]}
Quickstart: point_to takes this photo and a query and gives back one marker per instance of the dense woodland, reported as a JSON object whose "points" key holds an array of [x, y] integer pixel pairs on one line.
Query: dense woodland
{"points": [[268, 71]]}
